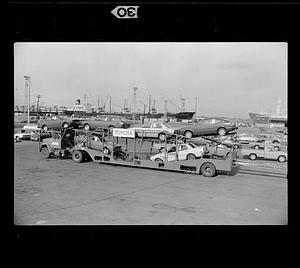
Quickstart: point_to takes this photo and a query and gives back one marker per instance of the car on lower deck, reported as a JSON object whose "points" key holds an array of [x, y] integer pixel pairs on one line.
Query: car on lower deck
{"points": [[211, 126], [57, 124], [186, 151]]}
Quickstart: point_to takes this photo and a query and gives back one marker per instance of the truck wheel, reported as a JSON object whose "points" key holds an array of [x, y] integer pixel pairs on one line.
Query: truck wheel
{"points": [[162, 136], [44, 127], [281, 158], [77, 156], [106, 150], [17, 138], [253, 156], [188, 134], [222, 131], [256, 147], [45, 153], [208, 170], [190, 157], [65, 125], [87, 127]]}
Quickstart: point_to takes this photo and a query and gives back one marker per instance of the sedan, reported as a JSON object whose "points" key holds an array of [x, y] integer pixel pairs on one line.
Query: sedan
{"points": [[104, 122], [213, 126], [153, 130], [186, 151], [57, 124]]}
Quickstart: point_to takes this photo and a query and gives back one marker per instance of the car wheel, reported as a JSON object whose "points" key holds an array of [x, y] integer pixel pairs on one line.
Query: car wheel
{"points": [[190, 157], [87, 127], [77, 156], [158, 160], [281, 158], [17, 138], [253, 156], [276, 148], [106, 150], [188, 134], [222, 131], [208, 170], [44, 127], [162, 149], [45, 153], [256, 147], [162, 136], [65, 125], [235, 146]]}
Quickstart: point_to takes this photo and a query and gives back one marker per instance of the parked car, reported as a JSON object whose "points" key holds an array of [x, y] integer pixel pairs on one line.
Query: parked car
{"points": [[153, 130], [22, 134], [212, 126], [186, 151], [246, 138], [262, 143], [104, 122], [40, 135], [267, 153]]}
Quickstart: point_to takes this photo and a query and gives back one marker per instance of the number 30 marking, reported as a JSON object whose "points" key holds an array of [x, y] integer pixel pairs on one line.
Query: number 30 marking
{"points": [[125, 12]]}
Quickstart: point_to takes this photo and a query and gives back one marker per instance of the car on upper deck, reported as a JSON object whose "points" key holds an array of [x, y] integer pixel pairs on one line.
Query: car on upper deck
{"points": [[208, 126]]}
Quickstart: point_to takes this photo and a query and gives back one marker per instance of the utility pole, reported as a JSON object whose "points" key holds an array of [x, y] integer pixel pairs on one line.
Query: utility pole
{"points": [[27, 86], [196, 108], [165, 108], [37, 105], [110, 104], [134, 102], [149, 103]]}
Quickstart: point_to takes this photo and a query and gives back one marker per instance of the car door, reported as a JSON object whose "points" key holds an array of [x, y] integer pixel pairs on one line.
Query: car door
{"points": [[172, 154], [270, 153], [182, 151], [146, 129], [156, 128]]}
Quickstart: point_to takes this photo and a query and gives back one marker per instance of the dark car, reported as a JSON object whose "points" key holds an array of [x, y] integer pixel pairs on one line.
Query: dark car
{"points": [[105, 122], [211, 126], [40, 135]]}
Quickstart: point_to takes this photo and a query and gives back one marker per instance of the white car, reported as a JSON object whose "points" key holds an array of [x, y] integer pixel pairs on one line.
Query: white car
{"points": [[22, 136], [186, 151]]}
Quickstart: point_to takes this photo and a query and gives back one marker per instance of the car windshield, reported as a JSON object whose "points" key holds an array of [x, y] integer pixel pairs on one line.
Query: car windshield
{"points": [[192, 145]]}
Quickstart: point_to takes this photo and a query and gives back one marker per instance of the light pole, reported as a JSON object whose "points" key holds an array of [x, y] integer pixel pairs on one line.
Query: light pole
{"points": [[27, 86]]}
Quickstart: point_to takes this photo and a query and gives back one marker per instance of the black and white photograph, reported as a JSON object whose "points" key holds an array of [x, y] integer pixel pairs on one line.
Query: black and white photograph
{"points": [[150, 133]]}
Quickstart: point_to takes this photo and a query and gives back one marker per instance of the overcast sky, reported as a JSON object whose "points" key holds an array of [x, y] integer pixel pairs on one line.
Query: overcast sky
{"points": [[228, 79]]}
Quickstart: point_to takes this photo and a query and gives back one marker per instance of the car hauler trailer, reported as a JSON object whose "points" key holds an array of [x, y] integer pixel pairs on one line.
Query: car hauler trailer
{"points": [[208, 165]]}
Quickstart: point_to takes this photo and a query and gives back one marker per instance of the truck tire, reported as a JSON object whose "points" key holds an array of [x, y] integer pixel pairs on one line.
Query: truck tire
{"points": [[222, 131], [162, 136], [190, 157], [87, 127], [44, 127], [208, 170], [45, 153], [188, 134], [281, 158], [106, 150], [77, 156], [252, 156], [17, 138], [65, 125]]}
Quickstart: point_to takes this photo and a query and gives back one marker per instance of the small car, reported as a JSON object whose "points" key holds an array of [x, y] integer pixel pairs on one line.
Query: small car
{"points": [[22, 134], [56, 124], [186, 151], [40, 135], [104, 122], [153, 130], [267, 153], [211, 126]]}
